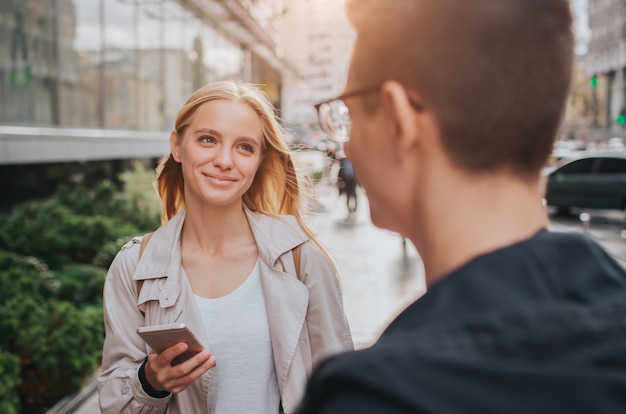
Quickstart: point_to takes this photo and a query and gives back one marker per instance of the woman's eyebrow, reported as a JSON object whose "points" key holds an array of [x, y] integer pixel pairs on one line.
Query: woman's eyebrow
{"points": [[212, 131], [207, 131]]}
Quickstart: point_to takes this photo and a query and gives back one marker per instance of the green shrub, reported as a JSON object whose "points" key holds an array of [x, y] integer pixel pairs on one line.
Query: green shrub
{"points": [[53, 260], [9, 381], [107, 253], [136, 203], [80, 284], [23, 276], [139, 198], [57, 342], [52, 232], [58, 346], [76, 224]]}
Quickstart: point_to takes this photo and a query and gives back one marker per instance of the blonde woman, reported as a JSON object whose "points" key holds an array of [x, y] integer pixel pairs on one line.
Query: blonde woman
{"points": [[224, 262]]}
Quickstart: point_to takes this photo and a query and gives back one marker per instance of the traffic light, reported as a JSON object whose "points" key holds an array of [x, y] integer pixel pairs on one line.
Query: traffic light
{"points": [[621, 118], [593, 81]]}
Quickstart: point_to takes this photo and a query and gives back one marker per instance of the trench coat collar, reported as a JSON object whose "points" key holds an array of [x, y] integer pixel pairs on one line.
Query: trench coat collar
{"points": [[275, 235]]}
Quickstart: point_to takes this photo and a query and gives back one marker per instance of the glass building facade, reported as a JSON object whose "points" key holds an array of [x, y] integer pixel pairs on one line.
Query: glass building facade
{"points": [[115, 64]]}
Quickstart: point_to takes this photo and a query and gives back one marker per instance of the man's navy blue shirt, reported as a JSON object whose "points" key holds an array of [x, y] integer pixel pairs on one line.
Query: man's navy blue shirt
{"points": [[536, 327]]}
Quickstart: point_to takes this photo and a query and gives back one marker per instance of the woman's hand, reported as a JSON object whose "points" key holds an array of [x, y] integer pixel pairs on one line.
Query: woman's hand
{"points": [[162, 376]]}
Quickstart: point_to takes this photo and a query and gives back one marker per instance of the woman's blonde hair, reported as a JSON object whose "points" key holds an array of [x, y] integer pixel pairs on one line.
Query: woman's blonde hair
{"points": [[276, 188]]}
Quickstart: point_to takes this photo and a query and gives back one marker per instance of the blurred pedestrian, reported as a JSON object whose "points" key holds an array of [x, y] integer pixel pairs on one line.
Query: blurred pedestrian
{"points": [[516, 318], [347, 184], [330, 159], [234, 261]]}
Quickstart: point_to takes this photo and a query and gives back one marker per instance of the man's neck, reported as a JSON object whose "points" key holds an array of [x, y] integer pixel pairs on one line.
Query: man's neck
{"points": [[473, 216]]}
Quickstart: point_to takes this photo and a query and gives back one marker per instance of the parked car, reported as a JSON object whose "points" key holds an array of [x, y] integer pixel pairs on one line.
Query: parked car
{"points": [[596, 181]]}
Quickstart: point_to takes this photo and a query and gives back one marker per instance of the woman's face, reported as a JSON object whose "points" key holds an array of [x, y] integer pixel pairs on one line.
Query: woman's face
{"points": [[220, 153]]}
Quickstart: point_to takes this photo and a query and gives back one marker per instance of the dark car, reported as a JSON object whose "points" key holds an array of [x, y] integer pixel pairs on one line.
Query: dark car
{"points": [[596, 181]]}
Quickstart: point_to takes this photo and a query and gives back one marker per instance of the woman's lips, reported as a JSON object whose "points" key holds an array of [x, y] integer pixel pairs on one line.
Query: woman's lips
{"points": [[220, 180]]}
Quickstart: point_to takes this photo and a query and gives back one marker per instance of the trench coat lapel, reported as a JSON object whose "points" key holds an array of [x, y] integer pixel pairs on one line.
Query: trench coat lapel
{"points": [[286, 302], [161, 260], [286, 298]]}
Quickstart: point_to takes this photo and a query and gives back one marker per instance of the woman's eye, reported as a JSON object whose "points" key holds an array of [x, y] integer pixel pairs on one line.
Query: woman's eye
{"points": [[247, 148], [207, 139]]}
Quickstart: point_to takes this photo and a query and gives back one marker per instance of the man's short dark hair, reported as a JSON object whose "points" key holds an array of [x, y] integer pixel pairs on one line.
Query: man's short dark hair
{"points": [[495, 72]]}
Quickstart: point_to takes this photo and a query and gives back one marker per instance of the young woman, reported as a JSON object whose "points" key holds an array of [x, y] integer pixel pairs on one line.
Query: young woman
{"points": [[224, 263]]}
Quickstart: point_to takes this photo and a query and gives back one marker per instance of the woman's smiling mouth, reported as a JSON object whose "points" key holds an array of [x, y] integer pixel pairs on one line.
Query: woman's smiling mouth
{"points": [[220, 180]]}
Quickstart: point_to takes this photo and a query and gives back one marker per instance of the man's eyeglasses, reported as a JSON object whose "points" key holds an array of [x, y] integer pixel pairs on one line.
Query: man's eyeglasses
{"points": [[334, 116]]}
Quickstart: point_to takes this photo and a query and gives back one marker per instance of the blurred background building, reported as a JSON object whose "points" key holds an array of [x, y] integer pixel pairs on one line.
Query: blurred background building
{"points": [[317, 40], [598, 98], [127, 64], [102, 80], [84, 82]]}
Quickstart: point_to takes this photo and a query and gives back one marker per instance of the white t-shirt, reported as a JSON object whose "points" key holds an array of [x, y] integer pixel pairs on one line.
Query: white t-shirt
{"points": [[244, 379]]}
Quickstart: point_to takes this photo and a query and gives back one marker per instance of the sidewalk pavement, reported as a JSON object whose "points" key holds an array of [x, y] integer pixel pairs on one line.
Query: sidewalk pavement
{"points": [[380, 272]]}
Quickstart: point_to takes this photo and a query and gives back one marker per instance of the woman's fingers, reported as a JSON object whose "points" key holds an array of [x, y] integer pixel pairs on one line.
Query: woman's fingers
{"points": [[207, 361], [166, 357], [178, 377]]}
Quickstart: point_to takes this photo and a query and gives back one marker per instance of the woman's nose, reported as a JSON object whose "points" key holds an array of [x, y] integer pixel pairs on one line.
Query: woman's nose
{"points": [[223, 158]]}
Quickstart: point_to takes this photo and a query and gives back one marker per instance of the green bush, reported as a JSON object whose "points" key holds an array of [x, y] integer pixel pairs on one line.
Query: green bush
{"points": [[137, 203], [76, 224], [107, 253], [58, 346], [56, 342], [23, 276], [9, 381], [139, 198], [80, 284], [52, 232], [54, 255]]}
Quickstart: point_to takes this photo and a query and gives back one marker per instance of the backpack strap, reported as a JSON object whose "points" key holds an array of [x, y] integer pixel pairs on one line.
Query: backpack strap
{"points": [[144, 243], [296, 259]]}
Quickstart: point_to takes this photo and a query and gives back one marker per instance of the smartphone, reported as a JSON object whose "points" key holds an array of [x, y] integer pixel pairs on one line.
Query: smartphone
{"points": [[161, 337]]}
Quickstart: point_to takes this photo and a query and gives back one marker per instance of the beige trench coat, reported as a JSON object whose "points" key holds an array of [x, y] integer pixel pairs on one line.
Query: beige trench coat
{"points": [[306, 318]]}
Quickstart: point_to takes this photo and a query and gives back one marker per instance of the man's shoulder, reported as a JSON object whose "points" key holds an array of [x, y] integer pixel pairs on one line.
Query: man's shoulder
{"points": [[356, 381], [466, 364]]}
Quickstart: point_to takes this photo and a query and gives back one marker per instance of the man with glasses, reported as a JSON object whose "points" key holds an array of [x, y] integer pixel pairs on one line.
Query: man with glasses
{"points": [[449, 113]]}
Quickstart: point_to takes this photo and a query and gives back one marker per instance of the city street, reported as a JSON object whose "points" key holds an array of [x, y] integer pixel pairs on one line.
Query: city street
{"points": [[380, 275]]}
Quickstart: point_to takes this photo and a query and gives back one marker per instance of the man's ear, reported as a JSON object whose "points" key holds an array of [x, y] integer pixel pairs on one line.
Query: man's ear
{"points": [[403, 126], [175, 146]]}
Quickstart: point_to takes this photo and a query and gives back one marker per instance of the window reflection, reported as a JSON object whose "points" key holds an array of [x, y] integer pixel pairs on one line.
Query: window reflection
{"points": [[114, 64]]}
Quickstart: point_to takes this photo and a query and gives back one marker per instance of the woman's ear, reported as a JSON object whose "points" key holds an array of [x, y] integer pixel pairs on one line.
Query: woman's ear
{"points": [[175, 146]]}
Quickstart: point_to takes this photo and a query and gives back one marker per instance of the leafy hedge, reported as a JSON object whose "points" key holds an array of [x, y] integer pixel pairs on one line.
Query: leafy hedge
{"points": [[76, 223], [54, 255], [56, 342], [10, 379]]}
